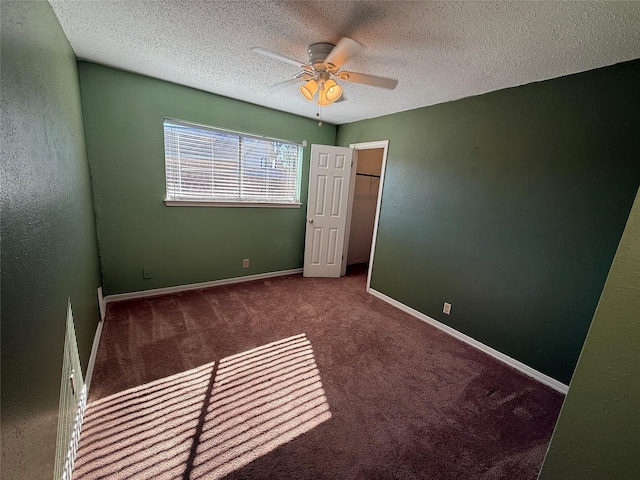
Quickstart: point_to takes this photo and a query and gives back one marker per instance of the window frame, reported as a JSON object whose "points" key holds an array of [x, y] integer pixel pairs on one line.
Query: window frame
{"points": [[174, 202]]}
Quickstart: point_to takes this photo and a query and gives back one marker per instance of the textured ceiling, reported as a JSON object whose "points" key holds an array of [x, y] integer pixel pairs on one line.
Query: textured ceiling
{"points": [[439, 51]]}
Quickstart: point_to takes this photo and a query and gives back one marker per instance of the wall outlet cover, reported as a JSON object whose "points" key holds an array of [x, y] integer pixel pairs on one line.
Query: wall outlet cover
{"points": [[447, 308]]}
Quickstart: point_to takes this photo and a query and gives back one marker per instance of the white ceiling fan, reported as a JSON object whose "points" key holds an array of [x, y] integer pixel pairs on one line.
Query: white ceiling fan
{"points": [[323, 69]]}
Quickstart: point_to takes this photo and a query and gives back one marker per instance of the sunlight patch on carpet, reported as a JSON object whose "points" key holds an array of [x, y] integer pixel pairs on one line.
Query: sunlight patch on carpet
{"points": [[261, 399], [208, 421]]}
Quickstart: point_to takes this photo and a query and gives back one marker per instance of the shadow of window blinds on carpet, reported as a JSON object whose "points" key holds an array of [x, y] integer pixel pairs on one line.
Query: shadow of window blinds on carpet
{"points": [[208, 421]]}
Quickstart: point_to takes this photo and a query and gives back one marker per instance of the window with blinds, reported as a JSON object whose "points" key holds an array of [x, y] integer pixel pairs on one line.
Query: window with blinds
{"points": [[214, 166]]}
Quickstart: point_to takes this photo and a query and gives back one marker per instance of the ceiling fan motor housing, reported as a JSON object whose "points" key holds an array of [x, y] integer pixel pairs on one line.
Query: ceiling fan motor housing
{"points": [[318, 52]]}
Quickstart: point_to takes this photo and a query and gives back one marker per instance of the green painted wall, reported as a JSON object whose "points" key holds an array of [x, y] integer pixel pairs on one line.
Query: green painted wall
{"points": [[510, 206], [598, 431], [123, 121], [49, 248]]}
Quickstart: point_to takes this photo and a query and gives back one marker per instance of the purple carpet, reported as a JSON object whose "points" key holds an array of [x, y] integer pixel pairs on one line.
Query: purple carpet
{"points": [[302, 378]]}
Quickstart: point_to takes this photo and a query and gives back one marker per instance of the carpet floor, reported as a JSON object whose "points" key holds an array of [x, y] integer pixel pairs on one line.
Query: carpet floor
{"points": [[302, 378]]}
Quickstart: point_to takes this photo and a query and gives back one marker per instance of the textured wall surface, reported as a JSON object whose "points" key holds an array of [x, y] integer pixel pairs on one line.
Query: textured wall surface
{"points": [[49, 248], [598, 431], [123, 115], [510, 206]]}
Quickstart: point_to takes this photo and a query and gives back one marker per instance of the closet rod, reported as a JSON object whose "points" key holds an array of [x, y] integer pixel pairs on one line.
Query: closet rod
{"points": [[368, 175]]}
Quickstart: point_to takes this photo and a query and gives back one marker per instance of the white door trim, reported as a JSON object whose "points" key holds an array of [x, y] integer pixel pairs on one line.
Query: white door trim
{"points": [[384, 144], [351, 194]]}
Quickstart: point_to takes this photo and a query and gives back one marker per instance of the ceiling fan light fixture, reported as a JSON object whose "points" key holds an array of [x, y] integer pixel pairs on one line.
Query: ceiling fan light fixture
{"points": [[323, 101], [333, 90], [309, 89]]}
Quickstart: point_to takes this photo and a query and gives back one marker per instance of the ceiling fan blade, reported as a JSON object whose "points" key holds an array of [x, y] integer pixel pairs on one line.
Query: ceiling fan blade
{"points": [[343, 51], [374, 81], [277, 56]]}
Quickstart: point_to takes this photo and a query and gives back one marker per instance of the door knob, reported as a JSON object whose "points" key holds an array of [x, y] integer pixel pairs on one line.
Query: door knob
{"points": [[311, 220]]}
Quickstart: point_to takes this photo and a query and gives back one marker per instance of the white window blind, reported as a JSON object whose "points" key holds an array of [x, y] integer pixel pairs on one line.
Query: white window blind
{"points": [[205, 164]]}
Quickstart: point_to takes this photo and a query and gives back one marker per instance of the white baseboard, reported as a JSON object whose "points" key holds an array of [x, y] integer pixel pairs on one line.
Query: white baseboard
{"points": [[92, 357], [102, 304], [195, 286], [536, 375]]}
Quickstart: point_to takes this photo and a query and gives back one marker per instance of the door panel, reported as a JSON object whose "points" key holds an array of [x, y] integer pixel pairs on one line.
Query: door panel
{"points": [[329, 180]]}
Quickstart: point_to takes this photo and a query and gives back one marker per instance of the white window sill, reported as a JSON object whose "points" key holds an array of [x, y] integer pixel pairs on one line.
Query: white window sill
{"points": [[207, 203]]}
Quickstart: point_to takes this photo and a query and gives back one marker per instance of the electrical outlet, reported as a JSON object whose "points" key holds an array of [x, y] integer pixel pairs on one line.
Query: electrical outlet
{"points": [[447, 308], [245, 263], [146, 273]]}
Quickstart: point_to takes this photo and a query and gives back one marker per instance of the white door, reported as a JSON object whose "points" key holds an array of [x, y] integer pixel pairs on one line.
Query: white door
{"points": [[329, 180]]}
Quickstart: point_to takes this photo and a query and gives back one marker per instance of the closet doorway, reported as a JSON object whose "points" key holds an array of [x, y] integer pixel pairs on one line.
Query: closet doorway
{"points": [[364, 211]]}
